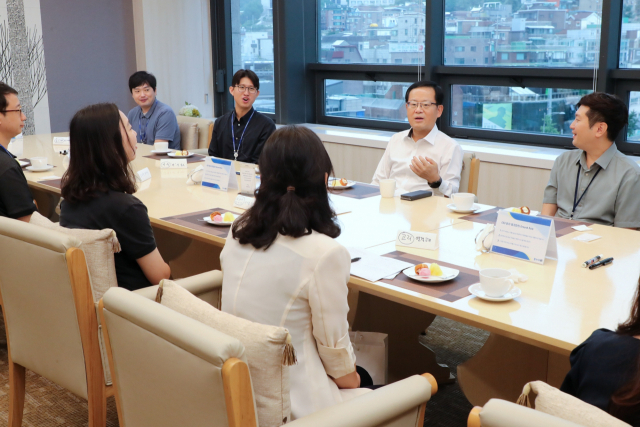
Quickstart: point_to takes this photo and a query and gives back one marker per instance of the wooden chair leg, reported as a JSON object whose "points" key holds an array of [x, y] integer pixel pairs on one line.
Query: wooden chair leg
{"points": [[97, 403], [16, 393]]}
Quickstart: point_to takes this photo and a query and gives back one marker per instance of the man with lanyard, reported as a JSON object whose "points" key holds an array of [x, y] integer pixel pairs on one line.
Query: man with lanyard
{"points": [[153, 120], [596, 183], [241, 133], [16, 200]]}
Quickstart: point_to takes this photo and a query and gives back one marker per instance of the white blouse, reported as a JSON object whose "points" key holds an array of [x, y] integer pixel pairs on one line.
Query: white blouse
{"points": [[299, 284], [436, 145]]}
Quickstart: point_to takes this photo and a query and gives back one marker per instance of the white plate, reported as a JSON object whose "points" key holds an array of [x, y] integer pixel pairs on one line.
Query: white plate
{"points": [[208, 220], [532, 213], [161, 151], [475, 290], [32, 169], [474, 208], [173, 154], [447, 274], [22, 164], [340, 187]]}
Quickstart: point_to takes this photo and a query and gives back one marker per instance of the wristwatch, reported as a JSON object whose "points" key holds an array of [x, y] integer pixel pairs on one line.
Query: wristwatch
{"points": [[435, 184]]}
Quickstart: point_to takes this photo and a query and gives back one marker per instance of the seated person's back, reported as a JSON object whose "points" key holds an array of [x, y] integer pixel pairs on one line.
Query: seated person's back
{"points": [[422, 158], [98, 192], [282, 267], [595, 183]]}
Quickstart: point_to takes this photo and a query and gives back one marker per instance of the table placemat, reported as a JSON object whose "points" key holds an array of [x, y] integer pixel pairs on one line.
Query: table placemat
{"points": [[194, 221], [563, 225], [25, 160], [193, 159], [451, 290], [358, 191], [55, 183]]}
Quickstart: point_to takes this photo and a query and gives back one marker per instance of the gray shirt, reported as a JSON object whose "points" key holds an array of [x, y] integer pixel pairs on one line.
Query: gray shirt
{"points": [[613, 198], [159, 123]]}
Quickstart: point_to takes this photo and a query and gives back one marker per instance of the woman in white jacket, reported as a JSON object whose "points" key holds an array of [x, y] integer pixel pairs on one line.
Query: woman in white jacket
{"points": [[281, 266]]}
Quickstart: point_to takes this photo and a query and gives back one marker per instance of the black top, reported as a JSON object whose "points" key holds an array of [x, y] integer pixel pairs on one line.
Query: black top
{"points": [[600, 366], [16, 200], [127, 216], [259, 130]]}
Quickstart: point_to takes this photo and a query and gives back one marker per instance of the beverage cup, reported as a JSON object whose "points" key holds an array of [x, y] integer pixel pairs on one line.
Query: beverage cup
{"points": [[387, 187], [38, 162], [463, 201], [495, 282], [161, 146]]}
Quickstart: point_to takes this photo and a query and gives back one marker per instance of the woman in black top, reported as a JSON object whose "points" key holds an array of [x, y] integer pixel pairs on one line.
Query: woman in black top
{"points": [[605, 369], [98, 192]]}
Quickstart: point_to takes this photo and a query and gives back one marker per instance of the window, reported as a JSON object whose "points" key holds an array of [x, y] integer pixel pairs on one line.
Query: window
{"points": [[473, 48], [459, 48], [629, 41], [365, 99], [520, 56], [633, 129]]}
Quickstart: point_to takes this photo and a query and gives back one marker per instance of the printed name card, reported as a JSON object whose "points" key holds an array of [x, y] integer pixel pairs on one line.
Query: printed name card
{"points": [[219, 174], [143, 174], [173, 164], [527, 237], [61, 140], [416, 239], [243, 202], [247, 180]]}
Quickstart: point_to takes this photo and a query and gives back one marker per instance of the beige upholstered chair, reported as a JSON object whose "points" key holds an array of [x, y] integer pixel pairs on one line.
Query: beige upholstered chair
{"points": [[50, 315], [172, 370], [500, 413], [195, 133], [470, 172]]}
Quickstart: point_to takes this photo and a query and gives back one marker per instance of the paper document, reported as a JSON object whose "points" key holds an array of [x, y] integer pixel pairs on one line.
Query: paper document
{"points": [[587, 237], [581, 228], [374, 267]]}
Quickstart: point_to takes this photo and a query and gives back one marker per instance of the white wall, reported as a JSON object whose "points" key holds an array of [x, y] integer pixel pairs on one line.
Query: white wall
{"points": [[173, 42]]}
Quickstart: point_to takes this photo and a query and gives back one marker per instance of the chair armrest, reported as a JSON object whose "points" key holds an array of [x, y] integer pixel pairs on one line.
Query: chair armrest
{"points": [[400, 403], [500, 413], [205, 286]]}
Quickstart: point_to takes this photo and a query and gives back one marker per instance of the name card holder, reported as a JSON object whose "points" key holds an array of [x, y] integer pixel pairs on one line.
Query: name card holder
{"points": [[219, 174], [416, 239], [527, 237], [173, 164], [243, 202], [143, 174], [247, 180]]}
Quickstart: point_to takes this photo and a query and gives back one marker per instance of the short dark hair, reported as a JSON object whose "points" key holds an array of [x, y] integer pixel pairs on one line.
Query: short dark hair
{"points": [[426, 83], [5, 90], [99, 162], [607, 108], [293, 199], [235, 81], [141, 77]]}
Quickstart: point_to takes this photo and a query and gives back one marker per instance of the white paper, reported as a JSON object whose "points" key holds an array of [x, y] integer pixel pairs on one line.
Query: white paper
{"points": [[416, 239], [587, 237], [61, 140], [243, 202], [247, 180], [143, 174], [219, 174], [173, 163], [374, 267], [47, 178], [581, 228]]}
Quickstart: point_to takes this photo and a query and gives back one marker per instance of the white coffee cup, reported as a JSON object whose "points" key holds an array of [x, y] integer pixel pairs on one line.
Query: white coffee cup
{"points": [[161, 146], [463, 200], [387, 187], [38, 162], [495, 282]]}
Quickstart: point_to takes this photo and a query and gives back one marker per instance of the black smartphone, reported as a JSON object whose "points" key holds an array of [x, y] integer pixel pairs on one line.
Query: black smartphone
{"points": [[415, 195]]}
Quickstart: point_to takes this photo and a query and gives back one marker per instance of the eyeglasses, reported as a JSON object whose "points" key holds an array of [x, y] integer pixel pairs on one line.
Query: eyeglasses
{"points": [[424, 105], [9, 111], [251, 89]]}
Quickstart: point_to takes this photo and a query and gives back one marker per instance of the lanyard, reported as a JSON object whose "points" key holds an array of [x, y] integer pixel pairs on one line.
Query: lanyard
{"points": [[233, 134], [575, 196], [143, 132]]}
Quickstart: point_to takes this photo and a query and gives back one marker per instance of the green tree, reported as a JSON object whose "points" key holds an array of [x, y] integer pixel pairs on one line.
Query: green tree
{"points": [[634, 123], [251, 11], [548, 126]]}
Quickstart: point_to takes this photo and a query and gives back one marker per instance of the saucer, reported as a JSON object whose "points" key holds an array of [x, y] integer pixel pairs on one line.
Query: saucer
{"points": [[32, 169], [161, 151], [474, 208], [475, 290]]}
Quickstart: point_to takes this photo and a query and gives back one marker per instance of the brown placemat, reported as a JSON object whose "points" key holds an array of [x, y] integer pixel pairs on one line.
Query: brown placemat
{"points": [[193, 159], [358, 191], [25, 160], [55, 183], [563, 225], [194, 221], [451, 290]]}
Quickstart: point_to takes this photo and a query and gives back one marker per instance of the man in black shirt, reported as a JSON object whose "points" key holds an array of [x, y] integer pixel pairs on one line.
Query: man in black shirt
{"points": [[240, 134], [16, 200]]}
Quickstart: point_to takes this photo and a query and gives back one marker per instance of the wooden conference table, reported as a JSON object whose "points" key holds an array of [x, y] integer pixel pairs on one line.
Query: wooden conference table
{"points": [[531, 337]]}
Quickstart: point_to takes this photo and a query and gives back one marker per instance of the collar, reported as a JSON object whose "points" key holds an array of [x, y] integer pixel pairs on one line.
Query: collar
{"points": [[431, 136], [6, 150], [603, 161], [243, 119], [151, 110]]}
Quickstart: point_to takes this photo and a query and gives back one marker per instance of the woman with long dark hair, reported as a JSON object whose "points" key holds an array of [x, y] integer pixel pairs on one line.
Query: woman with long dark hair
{"points": [[98, 192], [281, 266], [605, 369]]}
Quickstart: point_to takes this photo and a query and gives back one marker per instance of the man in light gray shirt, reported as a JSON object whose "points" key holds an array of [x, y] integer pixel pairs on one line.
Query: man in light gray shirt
{"points": [[596, 183]]}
